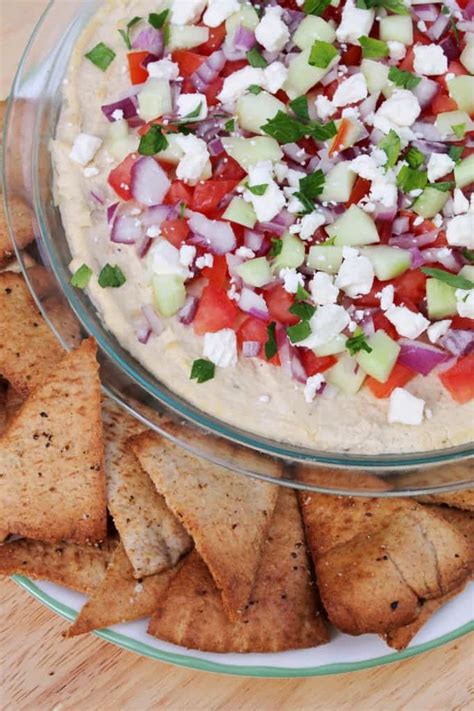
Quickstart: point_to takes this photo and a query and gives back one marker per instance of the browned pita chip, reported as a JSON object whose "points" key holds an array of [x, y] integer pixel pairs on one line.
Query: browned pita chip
{"points": [[52, 482], [227, 515], [28, 349], [23, 221], [80, 568], [152, 536], [457, 499], [120, 597], [13, 402], [283, 611]]}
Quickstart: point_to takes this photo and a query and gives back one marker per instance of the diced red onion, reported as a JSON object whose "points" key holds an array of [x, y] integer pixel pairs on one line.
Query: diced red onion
{"points": [[285, 218], [176, 88], [208, 71], [272, 227], [458, 342], [292, 18], [467, 25], [187, 313], [329, 77], [149, 181], [142, 329], [148, 59], [367, 325], [219, 236], [128, 106], [439, 26], [126, 229], [293, 151], [298, 372], [210, 128], [427, 12], [153, 319], [143, 245], [215, 147], [386, 214], [251, 349], [151, 40], [368, 105], [420, 357], [449, 259], [426, 91], [400, 225], [253, 240], [253, 303], [98, 197], [322, 161], [111, 211], [234, 261], [425, 130], [429, 147], [154, 216], [244, 38], [271, 56], [417, 259], [450, 48]]}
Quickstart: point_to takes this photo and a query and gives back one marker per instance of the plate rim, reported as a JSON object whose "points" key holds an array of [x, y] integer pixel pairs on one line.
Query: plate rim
{"points": [[197, 664]]}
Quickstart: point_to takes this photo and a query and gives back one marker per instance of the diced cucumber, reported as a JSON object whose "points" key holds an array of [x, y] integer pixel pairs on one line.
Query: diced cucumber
{"points": [[380, 361], [254, 110], [441, 299], [339, 182], [154, 100], [120, 148], [398, 28], [464, 172], [376, 75], [337, 345], [302, 76], [467, 272], [430, 202], [461, 89], [353, 228], [388, 262], [186, 36], [325, 259], [292, 253], [250, 151], [313, 28], [173, 152], [169, 293], [467, 56], [117, 130], [446, 120], [255, 272], [346, 375], [246, 16], [240, 212]]}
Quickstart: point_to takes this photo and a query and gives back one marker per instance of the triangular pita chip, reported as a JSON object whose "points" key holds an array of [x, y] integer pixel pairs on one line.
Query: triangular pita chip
{"points": [[226, 514], [120, 597], [152, 536], [458, 499], [283, 611], [28, 348], [52, 482], [24, 233], [80, 568]]}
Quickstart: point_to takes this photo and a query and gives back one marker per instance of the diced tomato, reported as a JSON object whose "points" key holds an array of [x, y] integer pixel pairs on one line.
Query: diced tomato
{"points": [[188, 62], [440, 240], [175, 231], [231, 67], [138, 74], [410, 287], [228, 169], [407, 63], [420, 37], [215, 311], [218, 273], [381, 322], [384, 228], [360, 190], [308, 145], [165, 127], [371, 299], [352, 56], [459, 379], [179, 192], [315, 364], [213, 89], [340, 137], [120, 178], [330, 89], [216, 38], [441, 103], [463, 323], [253, 329], [208, 194], [399, 377], [278, 302]]}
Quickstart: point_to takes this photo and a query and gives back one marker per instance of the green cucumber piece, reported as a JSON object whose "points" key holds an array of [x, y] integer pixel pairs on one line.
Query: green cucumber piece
{"points": [[430, 202], [388, 262], [353, 228], [120, 148], [154, 100], [325, 259], [173, 152], [250, 151], [376, 75], [380, 361], [339, 183], [345, 375], [467, 272], [313, 28], [398, 28], [441, 299], [255, 110], [302, 76], [292, 253], [467, 57], [337, 345], [186, 36], [255, 272], [246, 16], [461, 89], [464, 172], [240, 212], [169, 293]]}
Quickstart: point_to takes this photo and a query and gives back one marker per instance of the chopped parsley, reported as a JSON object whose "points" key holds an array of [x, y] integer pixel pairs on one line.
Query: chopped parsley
{"points": [[111, 276], [194, 113], [230, 125], [468, 254], [301, 294], [81, 277], [459, 282], [158, 19], [391, 145], [255, 59], [299, 332], [277, 246], [101, 55], [202, 370], [125, 34], [182, 209], [459, 130], [285, 129], [312, 185], [302, 310], [153, 141], [307, 204], [299, 106], [322, 54], [454, 27], [407, 80], [329, 242], [373, 48], [257, 189], [455, 153], [315, 7], [396, 6], [322, 131], [358, 343], [443, 186], [255, 89], [271, 347], [414, 158], [409, 179]]}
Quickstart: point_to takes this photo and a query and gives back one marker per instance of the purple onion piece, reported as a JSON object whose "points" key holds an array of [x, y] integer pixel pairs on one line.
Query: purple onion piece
{"points": [[450, 48], [126, 230], [208, 71], [458, 342], [244, 38], [142, 329], [153, 319], [215, 147], [97, 196], [187, 313], [151, 40], [400, 225], [219, 236], [251, 349], [149, 183], [420, 357], [417, 259], [128, 106], [253, 240], [426, 91], [439, 27]]}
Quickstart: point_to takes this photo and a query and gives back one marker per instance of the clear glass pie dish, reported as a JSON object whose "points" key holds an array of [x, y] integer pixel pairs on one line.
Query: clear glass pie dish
{"points": [[30, 125]]}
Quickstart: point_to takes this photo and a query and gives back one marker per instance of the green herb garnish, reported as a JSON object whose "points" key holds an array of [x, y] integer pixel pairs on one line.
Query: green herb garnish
{"points": [[396, 6], [202, 370], [322, 131], [459, 130], [300, 108], [409, 179], [443, 186], [102, 56], [81, 277], [307, 205], [271, 347], [468, 254], [457, 36], [255, 59], [125, 34], [373, 48], [358, 343], [111, 276], [194, 113], [153, 141], [315, 7], [302, 310], [182, 209], [230, 125], [277, 246], [312, 185], [301, 294], [255, 89], [257, 189], [391, 145], [322, 54], [158, 19], [414, 158], [407, 80], [285, 129], [459, 282], [455, 153], [299, 332]]}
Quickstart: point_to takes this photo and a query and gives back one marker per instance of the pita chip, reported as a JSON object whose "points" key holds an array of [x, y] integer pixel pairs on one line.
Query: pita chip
{"points": [[283, 611], [23, 220], [457, 499], [120, 597], [80, 568], [28, 348], [52, 482], [152, 536], [227, 515]]}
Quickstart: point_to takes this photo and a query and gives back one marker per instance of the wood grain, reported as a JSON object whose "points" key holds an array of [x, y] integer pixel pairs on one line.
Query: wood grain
{"points": [[42, 672]]}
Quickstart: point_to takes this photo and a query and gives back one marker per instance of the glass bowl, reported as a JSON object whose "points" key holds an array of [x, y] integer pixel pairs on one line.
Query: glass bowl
{"points": [[29, 127]]}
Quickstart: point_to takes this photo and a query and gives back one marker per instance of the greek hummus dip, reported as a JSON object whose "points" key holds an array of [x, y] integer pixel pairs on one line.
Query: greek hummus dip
{"points": [[271, 207]]}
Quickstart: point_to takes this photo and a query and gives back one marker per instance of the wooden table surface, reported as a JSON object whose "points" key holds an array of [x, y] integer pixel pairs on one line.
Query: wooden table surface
{"points": [[42, 672]]}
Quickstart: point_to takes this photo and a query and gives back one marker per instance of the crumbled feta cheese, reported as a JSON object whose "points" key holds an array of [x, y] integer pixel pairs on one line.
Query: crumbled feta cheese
{"points": [[308, 225], [268, 205], [350, 90], [312, 386], [245, 252], [465, 302], [430, 60], [195, 160], [186, 12], [117, 115], [163, 69], [405, 408], [386, 297], [421, 24], [219, 10], [187, 252], [221, 347], [90, 172], [439, 164], [327, 323], [271, 32], [233, 294], [418, 221], [153, 231], [322, 289], [281, 172], [274, 76], [238, 82], [383, 188], [354, 23], [460, 231], [324, 107], [397, 50], [438, 220], [84, 148], [438, 329], [164, 259], [460, 202], [382, 123], [194, 105], [207, 260], [291, 280], [402, 108], [356, 274], [408, 323]]}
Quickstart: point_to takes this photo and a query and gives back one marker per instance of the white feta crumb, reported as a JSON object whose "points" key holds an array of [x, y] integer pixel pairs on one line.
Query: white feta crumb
{"points": [[245, 252], [186, 12], [117, 115], [460, 231], [460, 202], [465, 302], [207, 260], [356, 274], [238, 82], [439, 164], [312, 386], [386, 297], [221, 347], [327, 323], [438, 329], [351, 90], [438, 220], [271, 32], [90, 172], [163, 259], [421, 24], [163, 69], [308, 225], [397, 50], [196, 157], [268, 205], [218, 11], [405, 408], [291, 280], [418, 221], [192, 106], [408, 323], [430, 60], [84, 148], [402, 108], [324, 107], [187, 252], [153, 231], [275, 76], [322, 288], [354, 23]]}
